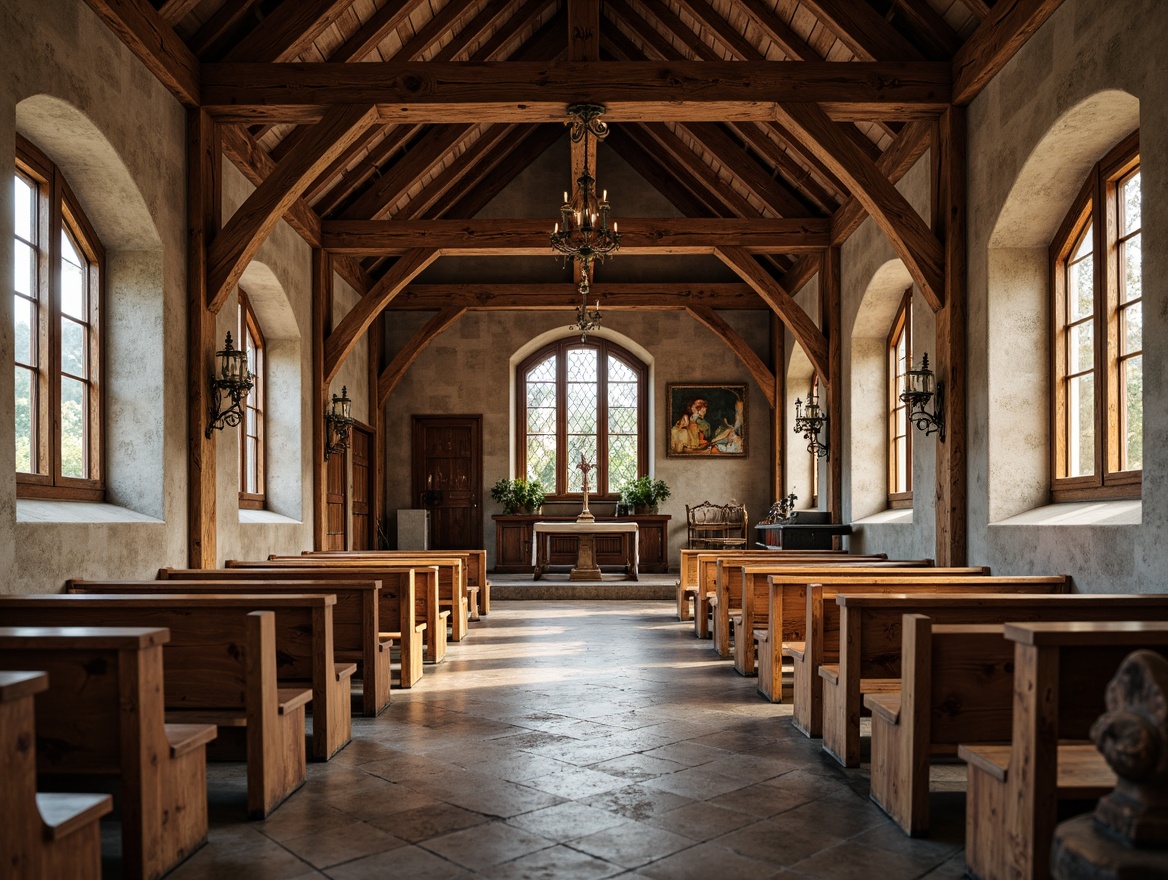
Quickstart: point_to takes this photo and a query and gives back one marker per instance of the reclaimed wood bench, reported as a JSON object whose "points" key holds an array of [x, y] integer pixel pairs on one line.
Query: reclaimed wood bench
{"points": [[44, 835], [822, 616], [357, 634], [103, 716], [304, 641], [219, 668], [1061, 671], [407, 596]]}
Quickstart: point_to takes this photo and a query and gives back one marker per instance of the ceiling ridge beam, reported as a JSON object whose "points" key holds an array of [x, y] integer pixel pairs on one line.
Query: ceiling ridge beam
{"points": [[241, 237], [1000, 35], [410, 352], [717, 325], [153, 41]]}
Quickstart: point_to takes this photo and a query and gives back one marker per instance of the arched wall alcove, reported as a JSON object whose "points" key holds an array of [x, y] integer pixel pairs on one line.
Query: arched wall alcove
{"points": [[798, 461], [1018, 303], [133, 298]]}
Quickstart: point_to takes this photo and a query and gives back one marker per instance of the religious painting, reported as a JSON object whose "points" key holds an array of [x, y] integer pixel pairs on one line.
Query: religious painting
{"points": [[706, 420]]}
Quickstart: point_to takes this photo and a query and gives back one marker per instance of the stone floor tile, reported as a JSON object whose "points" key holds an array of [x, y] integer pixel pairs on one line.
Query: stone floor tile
{"points": [[409, 861], [763, 801], [690, 754], [554, 863], [638, 767], [702, 821], [771, 841], [485, 845], [501, 799], [251, 855], [575, 783], [632, 844], [567, 821], [638, 802], [331, 846], [852, 860], [426, 822], [699, 783], [709, 861]]}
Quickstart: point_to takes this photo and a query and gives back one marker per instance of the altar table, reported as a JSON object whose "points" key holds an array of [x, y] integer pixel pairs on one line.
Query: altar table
{"points": [[585, 532]]}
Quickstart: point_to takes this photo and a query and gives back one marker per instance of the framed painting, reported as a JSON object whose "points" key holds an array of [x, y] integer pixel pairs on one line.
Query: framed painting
{"points": [[706, 420]]}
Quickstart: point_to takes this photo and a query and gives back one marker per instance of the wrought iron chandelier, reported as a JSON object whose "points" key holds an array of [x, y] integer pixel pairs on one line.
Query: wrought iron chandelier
{"points": [[809, 422], [232, 380], [583, 234], [922, 386]]}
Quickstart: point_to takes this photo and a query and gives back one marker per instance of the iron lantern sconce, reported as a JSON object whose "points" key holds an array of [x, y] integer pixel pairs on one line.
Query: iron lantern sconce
{"points": [[231, 380], [921, 386], [809, 421], [337, 423]]}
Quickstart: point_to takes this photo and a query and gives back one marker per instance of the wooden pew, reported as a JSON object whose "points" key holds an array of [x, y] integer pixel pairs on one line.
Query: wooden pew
{"points": [[357, 634], [822, 623], [1061, 671], [43, 836], [103, 715], [453, 601], [407, 595], [219, 668], [304, 641]]}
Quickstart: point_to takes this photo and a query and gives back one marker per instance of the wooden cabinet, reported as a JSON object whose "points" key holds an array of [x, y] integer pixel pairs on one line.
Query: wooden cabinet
{"points": [[513, 535]]}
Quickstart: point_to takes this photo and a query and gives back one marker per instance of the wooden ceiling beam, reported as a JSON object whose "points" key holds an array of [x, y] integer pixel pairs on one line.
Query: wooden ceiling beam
{"points": [[410, 352], [790, 313], [217, 25], [979, 8], [717, 325], [152, 39], [527, 14], [863, 30], [288, 31], [239, 240], [778, 30], [754, 136], [1000, 35], [328, 199], [174, 11], [365, 41], [443, 183], [911, 238], [925, 20], [673, 235], [522, 91], [662, 296]]}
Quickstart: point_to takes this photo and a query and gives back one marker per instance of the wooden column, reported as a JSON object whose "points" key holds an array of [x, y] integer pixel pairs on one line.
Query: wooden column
{"points": [[779, 410], [202, 223], [829, 319], [376, 343], [951, 363], [322, 315]]}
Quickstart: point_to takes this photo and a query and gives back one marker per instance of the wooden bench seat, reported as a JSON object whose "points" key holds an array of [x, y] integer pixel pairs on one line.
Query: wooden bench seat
{"points": [[103, 716], [303, 632], [357, 632], [43, 835], [1061, 672]]}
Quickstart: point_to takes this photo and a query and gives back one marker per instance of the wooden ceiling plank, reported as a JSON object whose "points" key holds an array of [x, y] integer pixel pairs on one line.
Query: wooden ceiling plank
{"points": [[241, 237], [217, 25], [1003, 32], [527, 15], [780, 32], [662, 296], [827, 197], [410, 352], [433, 30], [910, 236], [474, 30], [522, 91], [152, 39], [979, 8], [723, 33], [693, 164], [931, 26], [450, 177], [353, 326], [863, 30], [717, 325], [363, 42], [665, 16], [174, 11], [284, 34], [345, 186], [530, 236], [790, 313]]}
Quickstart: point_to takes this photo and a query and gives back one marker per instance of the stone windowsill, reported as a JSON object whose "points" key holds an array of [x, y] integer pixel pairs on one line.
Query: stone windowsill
{"points": [[266, 517], [899, 517], [35, 510], [1080, 513]]}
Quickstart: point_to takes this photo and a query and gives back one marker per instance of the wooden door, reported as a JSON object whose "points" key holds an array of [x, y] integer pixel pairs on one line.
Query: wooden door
{"points": [[362, 506], [448, 479], [336, 498]]}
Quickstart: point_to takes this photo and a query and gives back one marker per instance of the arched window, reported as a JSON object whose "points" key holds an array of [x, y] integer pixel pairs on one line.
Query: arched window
{"points": [[251, 441], [56, 304], [899, 434], [582, 398], [1097, 324]]}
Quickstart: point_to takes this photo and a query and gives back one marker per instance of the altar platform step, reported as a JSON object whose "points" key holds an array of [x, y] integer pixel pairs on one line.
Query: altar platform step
{"points": [[555, 585]]}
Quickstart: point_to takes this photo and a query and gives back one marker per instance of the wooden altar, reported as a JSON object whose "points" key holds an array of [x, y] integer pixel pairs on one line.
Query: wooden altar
{"points": [[585, 533], [514, 539]]}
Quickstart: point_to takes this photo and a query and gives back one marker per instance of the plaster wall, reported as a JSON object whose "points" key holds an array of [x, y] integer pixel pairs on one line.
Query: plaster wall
{"points": [[1034, 132]]}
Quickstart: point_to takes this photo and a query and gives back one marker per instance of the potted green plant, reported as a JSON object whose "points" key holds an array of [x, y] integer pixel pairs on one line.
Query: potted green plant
{"points": [[519, 495], [644, 494]]}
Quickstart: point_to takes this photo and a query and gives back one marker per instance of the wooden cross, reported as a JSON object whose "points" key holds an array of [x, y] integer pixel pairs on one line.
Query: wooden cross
{"points": [[585, 466]]}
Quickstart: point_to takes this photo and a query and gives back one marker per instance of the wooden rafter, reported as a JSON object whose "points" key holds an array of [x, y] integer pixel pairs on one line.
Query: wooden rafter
{"points": [[664, 296], [755, 137], [979, 8], [912, 239], [493, 173], [409, 353], [863, 30], [754, 365], [174, 11], [781, 303], [239, 240], [930, 25], [519, 91], [680, 235], [217, 25], [328, 199], [284, 36], [364, 41], [1000, 35]]}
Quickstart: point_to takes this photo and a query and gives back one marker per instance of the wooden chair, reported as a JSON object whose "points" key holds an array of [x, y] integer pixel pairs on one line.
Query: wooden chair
{"points": [[43, 836], [716, 526], [103, 715]]}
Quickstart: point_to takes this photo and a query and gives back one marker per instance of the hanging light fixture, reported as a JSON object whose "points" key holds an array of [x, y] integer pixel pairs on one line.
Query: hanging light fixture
{"points": [[231, 380], [921, 386], [337, 422], [809, 422], [583, 234]]}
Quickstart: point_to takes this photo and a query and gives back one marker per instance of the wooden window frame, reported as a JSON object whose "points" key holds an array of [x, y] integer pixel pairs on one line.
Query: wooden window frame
{"points": [[1095, 205], [901, 328], [59, 212], [249, 329], [604, 349]]}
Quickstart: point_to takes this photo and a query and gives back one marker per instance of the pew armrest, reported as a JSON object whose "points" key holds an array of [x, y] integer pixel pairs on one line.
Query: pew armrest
{"points": [[884, 706], [185, 738], [65, 813]]}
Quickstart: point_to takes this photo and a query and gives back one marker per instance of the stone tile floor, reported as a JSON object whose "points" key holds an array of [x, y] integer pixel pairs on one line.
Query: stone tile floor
{"points": [[576, 740]]}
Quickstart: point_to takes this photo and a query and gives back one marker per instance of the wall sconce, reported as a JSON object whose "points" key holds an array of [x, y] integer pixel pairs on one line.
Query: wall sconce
{"points": [[921, 386], [809, 422], [337, 422], [231, 379]]}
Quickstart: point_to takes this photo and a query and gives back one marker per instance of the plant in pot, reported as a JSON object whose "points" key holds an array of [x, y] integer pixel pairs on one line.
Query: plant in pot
{"points": [[519, 495], [644, 494]]}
